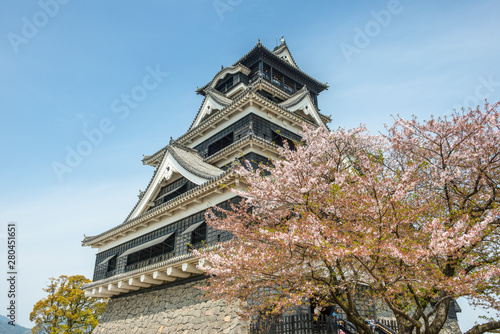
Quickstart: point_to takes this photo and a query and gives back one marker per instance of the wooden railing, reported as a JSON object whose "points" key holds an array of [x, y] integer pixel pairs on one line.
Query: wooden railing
{"points": [[297, 324], [386, 326], [308, 324]]}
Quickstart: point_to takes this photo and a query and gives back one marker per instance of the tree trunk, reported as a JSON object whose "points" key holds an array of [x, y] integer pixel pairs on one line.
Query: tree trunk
{"points": [[404, 326], [440, 317]]}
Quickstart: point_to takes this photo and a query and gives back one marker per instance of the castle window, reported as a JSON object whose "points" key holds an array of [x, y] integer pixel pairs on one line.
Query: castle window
{"points": [[172, 190], [226, 85], [150, 250], [198, 234], [279, 140], [220, 144], [111, 264]]}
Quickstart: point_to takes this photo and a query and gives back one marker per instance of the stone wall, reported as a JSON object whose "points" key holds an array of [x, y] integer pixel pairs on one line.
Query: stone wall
{"points": [[179, 307], [170, 308]]}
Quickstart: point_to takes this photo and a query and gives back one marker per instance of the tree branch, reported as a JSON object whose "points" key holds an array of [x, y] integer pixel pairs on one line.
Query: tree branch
{"points": [[483, 328]]}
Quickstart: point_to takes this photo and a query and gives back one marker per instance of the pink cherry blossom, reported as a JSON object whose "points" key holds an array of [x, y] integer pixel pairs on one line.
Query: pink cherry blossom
{"points": [[409, 219]]}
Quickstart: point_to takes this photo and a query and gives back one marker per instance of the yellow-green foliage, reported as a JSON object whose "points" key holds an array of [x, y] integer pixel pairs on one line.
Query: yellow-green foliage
{"points": [[66, 309]]}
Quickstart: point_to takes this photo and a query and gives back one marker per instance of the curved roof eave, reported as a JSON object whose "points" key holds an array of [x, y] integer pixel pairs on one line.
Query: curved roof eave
{"points": [[221, 74]]}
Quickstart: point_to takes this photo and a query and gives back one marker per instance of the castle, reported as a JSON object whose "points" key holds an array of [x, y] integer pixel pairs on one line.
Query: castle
{"points": [[248, 109], [145, 264]]}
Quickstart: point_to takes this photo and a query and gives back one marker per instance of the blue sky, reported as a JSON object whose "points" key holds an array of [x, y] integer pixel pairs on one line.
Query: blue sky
{"points": [[63, 65]]}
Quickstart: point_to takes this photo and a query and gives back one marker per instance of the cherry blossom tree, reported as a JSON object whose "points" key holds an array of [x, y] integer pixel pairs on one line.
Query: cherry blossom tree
{"points": [[407, 221]]}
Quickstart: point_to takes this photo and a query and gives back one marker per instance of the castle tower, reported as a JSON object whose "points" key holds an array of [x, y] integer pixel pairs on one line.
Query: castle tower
{"points": [[144, 264]]}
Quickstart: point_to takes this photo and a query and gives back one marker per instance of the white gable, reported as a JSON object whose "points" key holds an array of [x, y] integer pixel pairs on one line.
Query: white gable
{"points": [[285, 54], [306, 107], [209, 106], [302, 104], [168, 171]]}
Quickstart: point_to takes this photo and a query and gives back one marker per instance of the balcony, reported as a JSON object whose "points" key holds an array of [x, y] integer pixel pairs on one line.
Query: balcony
{"points": [[288, 88], [276, 81]]}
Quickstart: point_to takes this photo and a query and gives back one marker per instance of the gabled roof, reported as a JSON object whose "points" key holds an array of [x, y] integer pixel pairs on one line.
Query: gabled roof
{"points": [[296, 98], [284, 53], [303, 101], [174, 158], [261, 48], [179, 159], [214, 100], [279, 53], [187, 198]]}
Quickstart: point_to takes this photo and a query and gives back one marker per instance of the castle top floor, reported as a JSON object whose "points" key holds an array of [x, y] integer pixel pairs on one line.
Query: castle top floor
{"points": [[274, 72]]}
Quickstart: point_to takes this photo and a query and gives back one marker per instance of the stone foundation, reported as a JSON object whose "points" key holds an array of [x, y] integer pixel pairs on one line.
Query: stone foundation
{"points": [[179, 307], [170, 308]]}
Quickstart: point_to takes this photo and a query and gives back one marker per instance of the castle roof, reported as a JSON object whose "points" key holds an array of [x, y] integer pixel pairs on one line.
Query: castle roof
{"points": [[191, 161], [281, 54], [175, 158], [144, 218], [249, 93], [238, 67], [295, 98]]}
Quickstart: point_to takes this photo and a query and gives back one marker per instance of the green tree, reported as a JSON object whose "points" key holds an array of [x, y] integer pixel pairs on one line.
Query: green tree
{"points": [[66, 309]]}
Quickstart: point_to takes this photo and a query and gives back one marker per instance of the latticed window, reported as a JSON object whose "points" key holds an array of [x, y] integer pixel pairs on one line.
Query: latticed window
{"points": [[279, 140], [151, 249], [112, 264], [220, 144], [171, 191], [199, 234], [226, 85]]}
